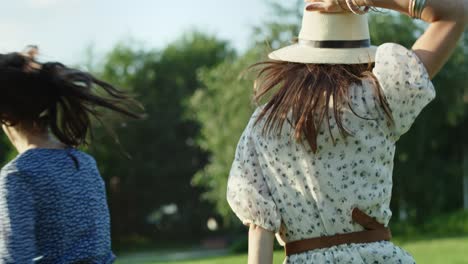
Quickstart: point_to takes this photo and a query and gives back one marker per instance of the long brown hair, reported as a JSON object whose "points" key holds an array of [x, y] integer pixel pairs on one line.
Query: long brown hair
{"points": [[52, 96], [304, 92]]}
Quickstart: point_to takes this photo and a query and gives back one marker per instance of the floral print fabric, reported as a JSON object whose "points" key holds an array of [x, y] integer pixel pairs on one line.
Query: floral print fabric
{"points": [[282, 186]]}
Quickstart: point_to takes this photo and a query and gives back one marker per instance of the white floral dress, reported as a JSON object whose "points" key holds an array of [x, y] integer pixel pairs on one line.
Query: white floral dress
{"points": [[282, 186]]}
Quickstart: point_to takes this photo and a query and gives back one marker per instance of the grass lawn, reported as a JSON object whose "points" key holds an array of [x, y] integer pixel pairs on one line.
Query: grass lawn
{"points": [[444, 251], [436, 251]]}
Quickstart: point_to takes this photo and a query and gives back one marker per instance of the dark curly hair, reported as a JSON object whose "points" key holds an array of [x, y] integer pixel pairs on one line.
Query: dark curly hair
{"points": [[52, 96]]}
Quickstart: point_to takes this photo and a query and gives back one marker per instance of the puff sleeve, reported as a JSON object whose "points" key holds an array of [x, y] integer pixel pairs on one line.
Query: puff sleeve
{"points": [[405, 82], [248, 193]]}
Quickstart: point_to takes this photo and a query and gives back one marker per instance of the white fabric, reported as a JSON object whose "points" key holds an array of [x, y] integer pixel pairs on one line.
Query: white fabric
{"points": [[334, 26], [282, 186], [317, 26], [301, 53]]}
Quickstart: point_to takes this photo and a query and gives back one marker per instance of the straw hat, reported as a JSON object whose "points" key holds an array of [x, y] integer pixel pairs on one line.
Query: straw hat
{"points": [[330, 38]]}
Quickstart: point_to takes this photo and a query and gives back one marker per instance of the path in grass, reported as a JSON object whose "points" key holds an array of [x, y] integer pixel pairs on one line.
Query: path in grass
{"points": [[169, 257], [436, 251]]}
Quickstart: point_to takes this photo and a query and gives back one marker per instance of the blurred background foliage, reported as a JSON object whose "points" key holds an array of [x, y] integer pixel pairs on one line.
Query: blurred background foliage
{"points": [[167, 178]]}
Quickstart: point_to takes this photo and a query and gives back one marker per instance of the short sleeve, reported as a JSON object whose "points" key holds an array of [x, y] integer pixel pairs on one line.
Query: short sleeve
{"points": [[17, 233], [247, 191], [405, 82]]}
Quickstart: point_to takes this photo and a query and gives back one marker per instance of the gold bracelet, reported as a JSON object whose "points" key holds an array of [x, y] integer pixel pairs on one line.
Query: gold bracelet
{"points": [[369, 3], [412, 6], [352, 5], [360, 3], [340, 3]]}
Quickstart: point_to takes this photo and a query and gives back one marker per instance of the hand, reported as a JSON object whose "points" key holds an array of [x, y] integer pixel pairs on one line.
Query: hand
{"points": [[30, 53], [327, 6]]}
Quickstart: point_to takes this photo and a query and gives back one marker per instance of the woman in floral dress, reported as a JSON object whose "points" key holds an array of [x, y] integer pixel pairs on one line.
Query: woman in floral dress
{"points": [[317, 158]]}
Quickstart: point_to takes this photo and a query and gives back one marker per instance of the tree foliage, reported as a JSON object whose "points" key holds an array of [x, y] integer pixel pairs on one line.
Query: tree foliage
{"points": [[163, 154]]}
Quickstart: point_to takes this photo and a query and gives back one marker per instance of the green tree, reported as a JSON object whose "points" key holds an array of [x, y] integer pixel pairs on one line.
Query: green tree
{"points": [[222, 106], [163, 156]]}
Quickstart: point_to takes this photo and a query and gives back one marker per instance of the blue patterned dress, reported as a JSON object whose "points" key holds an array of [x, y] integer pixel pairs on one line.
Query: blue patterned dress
{"points": [[53, 209]]}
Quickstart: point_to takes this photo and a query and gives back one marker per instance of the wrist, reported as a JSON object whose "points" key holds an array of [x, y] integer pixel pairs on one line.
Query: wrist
{"points": [[396, 5], [454, 11]]}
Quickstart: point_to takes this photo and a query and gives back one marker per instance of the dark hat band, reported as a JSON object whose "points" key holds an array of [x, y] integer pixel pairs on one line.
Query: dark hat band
{"points": [[336, 44]]}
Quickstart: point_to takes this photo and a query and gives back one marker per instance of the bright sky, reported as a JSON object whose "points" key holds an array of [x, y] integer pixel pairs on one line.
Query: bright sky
{"points": [[64, 28]]}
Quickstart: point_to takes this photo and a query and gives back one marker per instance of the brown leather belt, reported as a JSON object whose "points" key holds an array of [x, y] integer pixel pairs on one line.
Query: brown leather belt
{"points": [[374, 232]]}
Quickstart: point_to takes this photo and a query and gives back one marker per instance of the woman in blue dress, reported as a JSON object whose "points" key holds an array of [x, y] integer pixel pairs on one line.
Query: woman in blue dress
{"points": [[53, 205]]}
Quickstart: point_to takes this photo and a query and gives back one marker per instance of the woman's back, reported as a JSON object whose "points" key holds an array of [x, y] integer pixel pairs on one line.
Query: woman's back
{"points": [[56, 201], [281, 185], [52, 198]]}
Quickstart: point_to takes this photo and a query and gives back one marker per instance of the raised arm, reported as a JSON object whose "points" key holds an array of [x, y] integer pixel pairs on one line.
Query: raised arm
{"points": [[447, 19]]}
